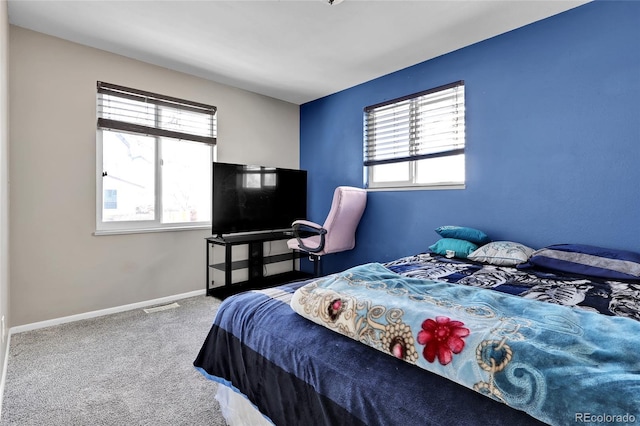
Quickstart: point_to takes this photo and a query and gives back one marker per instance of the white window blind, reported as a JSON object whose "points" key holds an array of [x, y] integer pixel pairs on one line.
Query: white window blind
{"points": [[424, 125], [137, 111]]}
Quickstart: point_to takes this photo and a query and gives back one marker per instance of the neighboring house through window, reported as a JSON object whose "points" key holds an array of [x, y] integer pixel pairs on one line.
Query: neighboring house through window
{"points": [[417, 141], [154, 160]]}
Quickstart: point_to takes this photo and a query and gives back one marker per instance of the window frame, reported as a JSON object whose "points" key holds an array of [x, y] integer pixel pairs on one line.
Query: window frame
{"points": [[155, 225], [142, 226], [411, 158]]}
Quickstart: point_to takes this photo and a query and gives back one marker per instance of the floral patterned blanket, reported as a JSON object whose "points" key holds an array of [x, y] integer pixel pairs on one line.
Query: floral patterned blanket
{"points": [[555, 363]]}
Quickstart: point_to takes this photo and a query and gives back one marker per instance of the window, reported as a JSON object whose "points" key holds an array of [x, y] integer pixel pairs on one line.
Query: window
{"points": [[417, 140], [154, 159]]}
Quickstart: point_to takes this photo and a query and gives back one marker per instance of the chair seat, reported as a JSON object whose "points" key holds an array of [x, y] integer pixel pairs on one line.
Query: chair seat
{"points": [[313, 241]]}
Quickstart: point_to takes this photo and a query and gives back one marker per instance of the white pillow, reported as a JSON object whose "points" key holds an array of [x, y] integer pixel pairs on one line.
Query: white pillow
{"points": [[503, 253]]}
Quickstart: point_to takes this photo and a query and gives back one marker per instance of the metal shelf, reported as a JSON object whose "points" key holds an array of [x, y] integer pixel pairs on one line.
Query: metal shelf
{"points": [[254, 264]]}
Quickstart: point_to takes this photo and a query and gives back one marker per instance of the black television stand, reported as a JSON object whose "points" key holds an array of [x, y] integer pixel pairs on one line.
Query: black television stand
{"points": [[254, 263]]}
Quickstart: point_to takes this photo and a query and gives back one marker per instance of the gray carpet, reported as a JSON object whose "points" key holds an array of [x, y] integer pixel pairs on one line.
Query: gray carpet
{"points": [[130, 368]]}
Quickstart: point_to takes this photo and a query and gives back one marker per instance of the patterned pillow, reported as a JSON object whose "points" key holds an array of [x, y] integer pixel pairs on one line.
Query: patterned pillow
{"points": [[460, 248], [503, 253], [463, 233], [589, 260]]}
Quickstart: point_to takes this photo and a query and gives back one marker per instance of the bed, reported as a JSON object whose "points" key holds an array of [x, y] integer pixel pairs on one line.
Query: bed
{"points": [[528, 342]]}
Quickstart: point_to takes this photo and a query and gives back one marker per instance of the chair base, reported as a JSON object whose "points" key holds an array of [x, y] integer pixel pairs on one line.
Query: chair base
{"points": [[317, 264]]}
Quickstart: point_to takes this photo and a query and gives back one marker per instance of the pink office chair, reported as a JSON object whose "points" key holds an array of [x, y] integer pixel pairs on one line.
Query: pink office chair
{"points": [[339, 230]]}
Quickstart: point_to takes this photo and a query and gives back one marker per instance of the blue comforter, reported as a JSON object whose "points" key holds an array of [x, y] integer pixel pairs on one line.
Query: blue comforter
{"points": [[557, 364]]}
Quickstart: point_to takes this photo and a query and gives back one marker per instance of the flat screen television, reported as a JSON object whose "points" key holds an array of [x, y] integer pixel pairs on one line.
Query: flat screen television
{"points": [[256, 198]]}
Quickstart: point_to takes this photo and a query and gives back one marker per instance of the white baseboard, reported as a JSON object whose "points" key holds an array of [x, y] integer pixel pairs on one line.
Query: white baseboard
{"points": [[4, 372], [99, 313]]}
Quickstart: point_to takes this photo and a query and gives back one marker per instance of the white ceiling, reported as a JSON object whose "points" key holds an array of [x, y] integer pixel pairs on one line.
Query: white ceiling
{"points": [[296, 51]]}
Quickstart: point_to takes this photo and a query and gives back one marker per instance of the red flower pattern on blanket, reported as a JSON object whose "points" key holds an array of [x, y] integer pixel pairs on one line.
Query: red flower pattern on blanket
{"points": [[442, 337]]}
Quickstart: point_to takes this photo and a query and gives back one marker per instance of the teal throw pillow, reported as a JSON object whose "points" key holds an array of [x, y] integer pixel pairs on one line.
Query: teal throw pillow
{"points": [[460, 248], [463, 233]]}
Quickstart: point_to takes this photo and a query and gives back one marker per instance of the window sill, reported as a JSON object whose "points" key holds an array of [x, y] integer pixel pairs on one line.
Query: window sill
{"points": [[417, 187], [102, 232]]}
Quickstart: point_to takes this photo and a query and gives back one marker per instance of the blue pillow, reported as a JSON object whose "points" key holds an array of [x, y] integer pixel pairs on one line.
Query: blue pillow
{"points": [[461, 248], [589, 260], [463, 233]]}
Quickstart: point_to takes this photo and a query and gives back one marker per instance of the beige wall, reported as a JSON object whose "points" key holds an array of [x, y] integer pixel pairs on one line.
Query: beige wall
{"points": [[4, 184], [58, 267]]}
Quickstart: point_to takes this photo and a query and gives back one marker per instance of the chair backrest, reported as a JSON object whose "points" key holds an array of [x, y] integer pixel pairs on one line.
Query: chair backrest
{"points": [[347, 208]]}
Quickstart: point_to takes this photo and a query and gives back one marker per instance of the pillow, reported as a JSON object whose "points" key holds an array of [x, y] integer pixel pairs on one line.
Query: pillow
{"points": [[463, 233], [589, 260], [503, 253], [461, 248]]}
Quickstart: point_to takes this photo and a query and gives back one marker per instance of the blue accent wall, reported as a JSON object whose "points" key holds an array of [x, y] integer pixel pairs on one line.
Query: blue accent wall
{"points": [[553, 140]]}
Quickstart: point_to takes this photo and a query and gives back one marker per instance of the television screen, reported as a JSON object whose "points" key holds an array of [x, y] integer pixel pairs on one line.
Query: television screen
{"points": [[256, 198]]}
